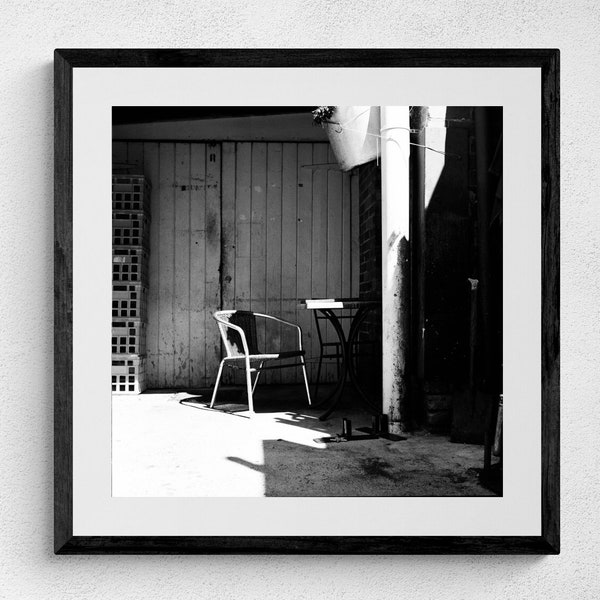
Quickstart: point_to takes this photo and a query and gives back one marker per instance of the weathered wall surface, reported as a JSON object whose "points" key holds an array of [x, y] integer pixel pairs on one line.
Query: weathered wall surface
{"points": [[247, 225], [369, 210], [30, 31]]}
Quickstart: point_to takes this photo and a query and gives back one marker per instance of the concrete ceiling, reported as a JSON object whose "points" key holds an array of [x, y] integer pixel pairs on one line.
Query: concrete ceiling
{"points": [[124, 115]]}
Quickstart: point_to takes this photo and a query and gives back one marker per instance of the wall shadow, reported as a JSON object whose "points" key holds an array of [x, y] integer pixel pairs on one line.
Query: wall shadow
{"points": [[463, 240]]}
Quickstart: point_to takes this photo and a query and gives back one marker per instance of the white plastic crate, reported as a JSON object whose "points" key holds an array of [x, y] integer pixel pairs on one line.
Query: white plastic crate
{"points": [[128, 374], [128, 336], [130, 269], [129, 301], [130, 230], [131, 201]]}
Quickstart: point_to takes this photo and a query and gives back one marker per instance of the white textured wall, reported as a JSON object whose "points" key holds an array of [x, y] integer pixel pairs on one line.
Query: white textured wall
{"points": [[30, 31]]}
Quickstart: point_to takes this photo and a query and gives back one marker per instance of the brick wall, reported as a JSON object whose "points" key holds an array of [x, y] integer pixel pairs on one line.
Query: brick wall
{"points": [[369, 210], [369, 364]]}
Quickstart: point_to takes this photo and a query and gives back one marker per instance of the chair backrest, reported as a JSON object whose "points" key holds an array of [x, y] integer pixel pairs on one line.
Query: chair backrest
{"points": [[232, 340]]}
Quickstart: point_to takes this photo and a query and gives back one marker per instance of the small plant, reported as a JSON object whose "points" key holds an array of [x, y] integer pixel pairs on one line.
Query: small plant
{"points": [[322, 114]]}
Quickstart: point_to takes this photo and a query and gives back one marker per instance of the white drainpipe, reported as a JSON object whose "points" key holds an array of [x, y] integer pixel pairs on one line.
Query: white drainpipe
{"points": [[395, 226]]}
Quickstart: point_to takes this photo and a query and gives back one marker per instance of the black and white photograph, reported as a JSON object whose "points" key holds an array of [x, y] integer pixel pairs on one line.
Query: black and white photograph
{"points": [[307, 301], [328, 307]]}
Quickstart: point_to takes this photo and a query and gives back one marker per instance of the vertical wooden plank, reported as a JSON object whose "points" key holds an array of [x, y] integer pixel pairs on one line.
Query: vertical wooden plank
{"points": [[334, 230], [166, 279], [242, 231], [181, 289], [197, 264], [135, 157], [258, 265], [320, 217], [152, 172], [319, 240], [243, 214], [289, 193], [273, 252], [304, 231], [354, 233], [335, 255], [346, 257], [228, 226], [213, 258]]}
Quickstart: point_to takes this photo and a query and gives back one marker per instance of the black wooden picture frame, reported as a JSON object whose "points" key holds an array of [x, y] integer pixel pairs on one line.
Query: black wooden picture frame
{"points": [[547, 60]]}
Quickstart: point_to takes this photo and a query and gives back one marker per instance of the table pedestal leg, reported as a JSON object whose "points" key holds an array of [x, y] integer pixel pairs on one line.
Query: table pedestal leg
{"points": [[335, 396], [347, 366]]}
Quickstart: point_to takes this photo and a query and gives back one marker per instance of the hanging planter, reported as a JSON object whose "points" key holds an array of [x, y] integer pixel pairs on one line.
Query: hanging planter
{"points": [[353, 133]]}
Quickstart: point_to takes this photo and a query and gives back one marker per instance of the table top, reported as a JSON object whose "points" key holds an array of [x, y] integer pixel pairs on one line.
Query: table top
{"points": [[329, 303]]}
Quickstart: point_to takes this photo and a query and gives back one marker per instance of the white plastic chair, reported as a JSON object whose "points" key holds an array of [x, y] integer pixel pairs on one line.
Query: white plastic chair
{"points": [[238, 332]]}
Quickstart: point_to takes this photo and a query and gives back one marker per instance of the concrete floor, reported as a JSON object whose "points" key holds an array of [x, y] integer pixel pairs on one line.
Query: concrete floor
{"points": [[171, 444]]}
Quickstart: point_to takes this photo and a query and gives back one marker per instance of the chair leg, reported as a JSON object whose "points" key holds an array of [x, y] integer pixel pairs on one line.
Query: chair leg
{"points": [[305, 379], [214, 396], [249, 387], [257, 376]]}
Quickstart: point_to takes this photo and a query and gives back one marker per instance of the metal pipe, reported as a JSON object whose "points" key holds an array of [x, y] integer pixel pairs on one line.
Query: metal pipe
{"points": [[418, 123], [395, 216]]}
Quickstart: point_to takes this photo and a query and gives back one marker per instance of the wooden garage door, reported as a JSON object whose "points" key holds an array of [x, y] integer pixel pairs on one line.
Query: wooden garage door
{"points": [[280, 221], [290, 231]]}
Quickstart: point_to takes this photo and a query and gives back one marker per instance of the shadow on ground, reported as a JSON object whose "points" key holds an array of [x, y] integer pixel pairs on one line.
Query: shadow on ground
{"points": [[169, 443]]}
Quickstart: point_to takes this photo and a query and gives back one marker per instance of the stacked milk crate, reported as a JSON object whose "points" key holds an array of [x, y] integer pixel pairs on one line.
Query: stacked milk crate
{"points": [[131, 232]]}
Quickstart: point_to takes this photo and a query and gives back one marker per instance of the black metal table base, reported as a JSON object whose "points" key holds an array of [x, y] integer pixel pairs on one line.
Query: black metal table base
{"points": [[347, 371], [379, 430]]}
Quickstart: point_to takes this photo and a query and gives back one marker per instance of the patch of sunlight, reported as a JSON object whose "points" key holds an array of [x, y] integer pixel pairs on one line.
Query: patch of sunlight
{"points": [[160, 450], [435, 137]]}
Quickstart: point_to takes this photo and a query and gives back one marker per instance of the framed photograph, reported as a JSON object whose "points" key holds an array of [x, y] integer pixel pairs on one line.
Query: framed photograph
{"points": [[289, 327]]}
